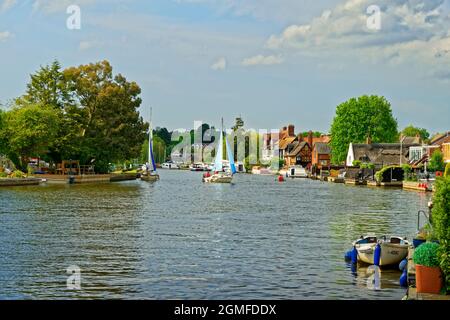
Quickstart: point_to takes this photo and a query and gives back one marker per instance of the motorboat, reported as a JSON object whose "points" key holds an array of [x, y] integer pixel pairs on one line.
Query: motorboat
{"points": [[197, 167], [297, 172], [169, 165], [261, 170], [392, 250]]}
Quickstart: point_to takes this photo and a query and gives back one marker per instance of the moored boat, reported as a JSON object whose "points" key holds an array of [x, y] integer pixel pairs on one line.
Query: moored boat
{"points": [[391, 250]]}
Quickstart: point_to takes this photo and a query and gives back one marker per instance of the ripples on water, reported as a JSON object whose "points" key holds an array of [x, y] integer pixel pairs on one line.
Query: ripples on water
{"points": [[181, 239]]}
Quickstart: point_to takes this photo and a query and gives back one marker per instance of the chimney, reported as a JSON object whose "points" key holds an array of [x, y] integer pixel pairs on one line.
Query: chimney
{"points": [[291, 130], [369, 140], [310, 139]]}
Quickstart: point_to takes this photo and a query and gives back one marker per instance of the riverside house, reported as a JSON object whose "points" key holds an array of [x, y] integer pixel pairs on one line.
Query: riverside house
{"points": [[298, 149], [442, 142], [380, 154]]}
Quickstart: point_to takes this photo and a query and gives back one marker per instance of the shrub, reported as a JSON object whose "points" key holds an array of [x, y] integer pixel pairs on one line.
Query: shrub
{"points": [[356, 163], [427, 255], [441, 224], [18, 174], [3, 174], [447, 170], [398, 173]]}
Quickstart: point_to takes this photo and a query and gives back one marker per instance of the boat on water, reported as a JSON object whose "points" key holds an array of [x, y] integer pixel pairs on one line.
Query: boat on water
{"points": [[170, 165], [388, 251], [261, 170], [149, 169], [197, 167], [221, 174], [297, 172]]}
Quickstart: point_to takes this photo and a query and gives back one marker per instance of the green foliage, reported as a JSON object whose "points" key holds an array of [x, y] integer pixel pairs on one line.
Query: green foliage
{"points": [[316, 134], [370, 166], [358, 119], [447, 170], [29, 131], [436, 162], [47, 87], [441, 224], [427, 255], [381, 175], [18, 174], [3, 175], [411, 131], [356, 163]]}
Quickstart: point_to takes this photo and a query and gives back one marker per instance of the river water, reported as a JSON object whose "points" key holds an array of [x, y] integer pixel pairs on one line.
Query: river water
{"points": [[181, 239]]}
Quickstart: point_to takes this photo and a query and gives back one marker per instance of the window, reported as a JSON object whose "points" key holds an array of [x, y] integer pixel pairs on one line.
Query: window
{"points": [[415, 153]]}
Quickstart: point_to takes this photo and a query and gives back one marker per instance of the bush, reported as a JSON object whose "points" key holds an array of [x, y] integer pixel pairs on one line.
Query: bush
{"points": [[441, 224], [18, 174], [398, 173], [3, 174], [427, 255], [356, 163], [447, 170]]}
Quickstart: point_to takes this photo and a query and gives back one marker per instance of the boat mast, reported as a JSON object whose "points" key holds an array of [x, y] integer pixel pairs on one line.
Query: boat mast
{"points": [[150, 138]]}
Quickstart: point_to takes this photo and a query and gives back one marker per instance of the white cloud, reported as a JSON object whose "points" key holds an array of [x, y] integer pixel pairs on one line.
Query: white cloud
{"points": [[262, 60], [86, 45], [7, 4], [220, 64], [412, 32], [5, 35]]}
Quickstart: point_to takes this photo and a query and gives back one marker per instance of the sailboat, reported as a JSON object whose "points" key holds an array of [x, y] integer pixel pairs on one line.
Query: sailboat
{"points": [[149, 173], [219, 176]]}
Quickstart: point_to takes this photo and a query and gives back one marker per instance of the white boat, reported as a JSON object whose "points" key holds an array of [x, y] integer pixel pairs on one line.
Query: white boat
{"points": [[221, 175], [297, 172], [149, 169], [393, 249], [197, 167], [261, 171], [169, 165]]}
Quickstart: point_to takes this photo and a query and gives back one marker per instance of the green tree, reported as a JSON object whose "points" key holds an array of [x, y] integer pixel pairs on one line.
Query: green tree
{"points": [[437, 162], [358, 119], [411, 131], [47, 87], [111, 127], [29, 131]]}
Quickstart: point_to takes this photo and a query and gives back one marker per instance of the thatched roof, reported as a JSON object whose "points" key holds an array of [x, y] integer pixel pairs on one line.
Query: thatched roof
{"points": [[381, 153]]}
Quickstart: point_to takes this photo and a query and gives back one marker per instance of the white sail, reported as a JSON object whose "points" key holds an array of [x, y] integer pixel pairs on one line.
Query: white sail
{"points": [[218, 166]]}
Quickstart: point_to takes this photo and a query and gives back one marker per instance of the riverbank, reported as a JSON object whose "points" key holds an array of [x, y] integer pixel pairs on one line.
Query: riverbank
{"points": [[17, 182]]}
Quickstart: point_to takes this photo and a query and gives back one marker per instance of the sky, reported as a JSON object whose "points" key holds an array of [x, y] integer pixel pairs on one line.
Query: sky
{"points": [[273, 62]]}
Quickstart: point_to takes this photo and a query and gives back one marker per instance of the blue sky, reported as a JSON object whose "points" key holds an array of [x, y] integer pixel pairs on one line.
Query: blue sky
{"points": [[272, 61]]}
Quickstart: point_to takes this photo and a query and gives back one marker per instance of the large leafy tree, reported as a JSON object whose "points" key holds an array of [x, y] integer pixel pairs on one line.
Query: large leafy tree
{"points": [[29, 131], [111, 126], [360, 118], [411, 131]]}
